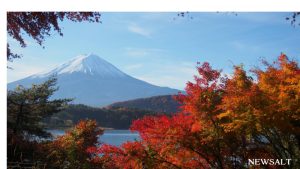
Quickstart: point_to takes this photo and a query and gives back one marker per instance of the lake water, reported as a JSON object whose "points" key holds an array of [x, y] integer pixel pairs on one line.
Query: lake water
{"points": [[113, 137]]}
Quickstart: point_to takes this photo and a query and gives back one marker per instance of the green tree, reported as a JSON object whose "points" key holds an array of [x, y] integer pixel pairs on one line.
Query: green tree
{"points": [[27, 107]]}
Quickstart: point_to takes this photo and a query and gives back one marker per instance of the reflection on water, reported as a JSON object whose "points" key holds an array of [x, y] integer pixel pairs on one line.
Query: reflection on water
{"points": [[114, 137]]}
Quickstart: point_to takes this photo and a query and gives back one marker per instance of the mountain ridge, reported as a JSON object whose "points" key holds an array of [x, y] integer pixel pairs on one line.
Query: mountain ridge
{"points": [[95, 82], [161, 104]]}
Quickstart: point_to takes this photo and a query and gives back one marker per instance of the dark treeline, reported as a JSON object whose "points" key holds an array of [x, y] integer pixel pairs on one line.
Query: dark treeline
{"points": [[165, 104], [113, 117]]}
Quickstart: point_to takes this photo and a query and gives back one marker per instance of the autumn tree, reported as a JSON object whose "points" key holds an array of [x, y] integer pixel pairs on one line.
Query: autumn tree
{"points": [[280, 84], [38, 25], [188, 139], [223, 122], [71, 149], [157, 149]]}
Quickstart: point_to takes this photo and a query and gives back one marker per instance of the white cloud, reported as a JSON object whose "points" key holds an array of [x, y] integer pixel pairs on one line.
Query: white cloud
{"points": [[134, 28], [241, 46], [174, 76], [165, 81], [20, 71], [141, 52], [133, 67], [136, 52]]}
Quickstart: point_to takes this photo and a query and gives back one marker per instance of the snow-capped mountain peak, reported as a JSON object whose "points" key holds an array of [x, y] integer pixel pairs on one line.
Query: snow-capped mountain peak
{"points": [[93, 81], [88, 64]]}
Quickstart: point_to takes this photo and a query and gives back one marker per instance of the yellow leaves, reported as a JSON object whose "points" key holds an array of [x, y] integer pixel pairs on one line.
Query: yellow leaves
{"points": [[258, 126], [224, 115], [229, 120]]}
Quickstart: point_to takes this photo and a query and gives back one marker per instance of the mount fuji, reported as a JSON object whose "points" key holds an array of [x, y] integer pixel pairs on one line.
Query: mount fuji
{"points": [[95, 82]]}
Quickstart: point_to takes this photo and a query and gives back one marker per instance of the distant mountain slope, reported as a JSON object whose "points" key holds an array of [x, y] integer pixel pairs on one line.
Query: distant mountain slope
{"points": [[164, 103], [94, 82], [117, 118]]}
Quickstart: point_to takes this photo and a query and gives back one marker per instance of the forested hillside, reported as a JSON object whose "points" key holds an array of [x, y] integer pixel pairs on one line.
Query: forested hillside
{"points": [[166, 104], [117, 118]]}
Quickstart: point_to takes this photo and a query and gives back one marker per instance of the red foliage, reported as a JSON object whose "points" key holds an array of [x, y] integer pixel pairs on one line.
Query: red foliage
{"points": [[38, 25], [76, 148], [223, 122]]}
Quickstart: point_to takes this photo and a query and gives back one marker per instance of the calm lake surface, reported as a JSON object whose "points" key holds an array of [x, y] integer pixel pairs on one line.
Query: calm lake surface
{"points": [[113, 137]]}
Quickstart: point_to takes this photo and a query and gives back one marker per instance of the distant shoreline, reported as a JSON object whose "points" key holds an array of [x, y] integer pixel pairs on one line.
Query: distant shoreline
{"points": [[70, 127]]}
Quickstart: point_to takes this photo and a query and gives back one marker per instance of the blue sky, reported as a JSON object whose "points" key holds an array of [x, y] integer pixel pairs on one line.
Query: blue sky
{"points": [[161, 48]]}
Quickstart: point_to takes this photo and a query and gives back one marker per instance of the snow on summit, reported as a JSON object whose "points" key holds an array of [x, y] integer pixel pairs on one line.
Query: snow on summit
{"points": [[89, 64], [93, 81]]}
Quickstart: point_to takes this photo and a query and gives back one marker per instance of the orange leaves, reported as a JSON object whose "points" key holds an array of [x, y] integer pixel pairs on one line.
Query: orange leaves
{"points": [[222, 123], [77, 147], [196, 127], [176, 141], [280, 83], [240, 99]]}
